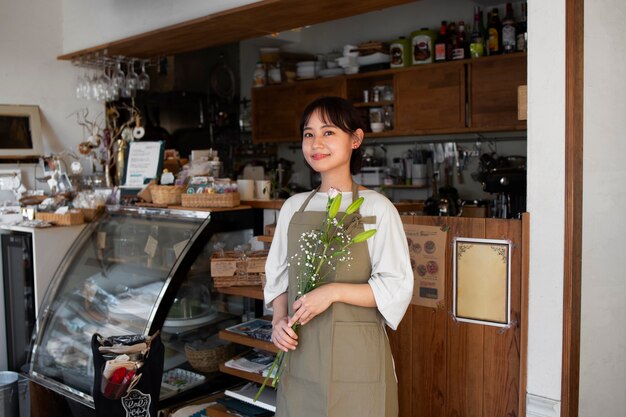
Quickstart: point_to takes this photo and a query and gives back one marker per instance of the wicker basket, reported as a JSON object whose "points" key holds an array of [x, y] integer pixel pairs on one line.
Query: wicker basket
{"points": [[71, 218], [211, 200], [166, 194], [208, 359], [91, 213], [237, 281]]}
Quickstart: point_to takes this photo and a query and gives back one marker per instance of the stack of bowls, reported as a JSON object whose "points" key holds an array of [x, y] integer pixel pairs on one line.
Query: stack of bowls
{"points": [[307, 70]]}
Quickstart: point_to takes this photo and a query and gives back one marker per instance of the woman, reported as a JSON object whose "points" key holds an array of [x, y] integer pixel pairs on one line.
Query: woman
{"points": [[339, 363]]}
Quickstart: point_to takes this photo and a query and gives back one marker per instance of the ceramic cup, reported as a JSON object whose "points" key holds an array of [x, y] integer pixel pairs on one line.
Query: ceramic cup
{"points": [[377, 127], [419, 174], [246, 189], [262, 189]]}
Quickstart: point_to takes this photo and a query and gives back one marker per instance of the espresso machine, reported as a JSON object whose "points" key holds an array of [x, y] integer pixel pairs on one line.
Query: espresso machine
{"points": [[504, 176]]}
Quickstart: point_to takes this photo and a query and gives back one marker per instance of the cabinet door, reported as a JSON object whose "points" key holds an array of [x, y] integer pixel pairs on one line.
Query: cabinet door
{"points": [[308, 91], [430, 99], [493, 92], [273, 114]]}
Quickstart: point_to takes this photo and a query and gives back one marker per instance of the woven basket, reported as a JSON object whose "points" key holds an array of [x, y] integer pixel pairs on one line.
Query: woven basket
{"points": [[166, 194], [91, 213], [211, 200], [71, 218], [208, 360], [237, 280]]}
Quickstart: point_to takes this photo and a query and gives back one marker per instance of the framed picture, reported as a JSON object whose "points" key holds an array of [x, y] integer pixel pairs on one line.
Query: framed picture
{"points": [[20, 131], [482, 281]]}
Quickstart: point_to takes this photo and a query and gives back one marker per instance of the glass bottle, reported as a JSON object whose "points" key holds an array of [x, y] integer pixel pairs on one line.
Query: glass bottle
{"points": [[495, 32], [521, 30], [440, 44], [508, 31], [259, 77], [451, 40], [460, 50], [477, 42]]}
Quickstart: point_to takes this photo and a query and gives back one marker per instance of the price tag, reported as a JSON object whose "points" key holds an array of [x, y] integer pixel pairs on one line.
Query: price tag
{"points": [[178, 248], [102, 240], [151, 246]]}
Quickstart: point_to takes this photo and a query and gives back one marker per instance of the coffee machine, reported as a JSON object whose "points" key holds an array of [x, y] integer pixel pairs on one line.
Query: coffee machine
{"points": [[504, 176]]}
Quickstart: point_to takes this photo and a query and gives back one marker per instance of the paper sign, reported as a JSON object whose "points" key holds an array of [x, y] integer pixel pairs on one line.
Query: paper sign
{"points": [[102, 240], [178, 248], [151, 246], [143, 162], [427, 249], [482, 281]]}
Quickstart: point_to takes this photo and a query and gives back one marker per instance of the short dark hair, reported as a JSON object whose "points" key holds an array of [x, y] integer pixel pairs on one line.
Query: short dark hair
{"points": [[341, 113]]}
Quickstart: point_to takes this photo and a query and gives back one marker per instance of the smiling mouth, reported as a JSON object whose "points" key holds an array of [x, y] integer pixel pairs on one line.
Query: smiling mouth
{"points": [[318, 156]]}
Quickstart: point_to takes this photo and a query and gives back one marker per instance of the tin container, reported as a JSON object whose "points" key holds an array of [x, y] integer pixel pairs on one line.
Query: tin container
{"points": [[422, 46], [400, 51]]}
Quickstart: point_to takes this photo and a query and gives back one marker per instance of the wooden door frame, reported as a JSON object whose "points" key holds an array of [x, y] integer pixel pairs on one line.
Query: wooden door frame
{"points": [[574, 84]]}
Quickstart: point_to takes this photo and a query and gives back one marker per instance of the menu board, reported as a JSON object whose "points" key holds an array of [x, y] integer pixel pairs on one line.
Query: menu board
{"points": [[427, 249], [482, 281]]}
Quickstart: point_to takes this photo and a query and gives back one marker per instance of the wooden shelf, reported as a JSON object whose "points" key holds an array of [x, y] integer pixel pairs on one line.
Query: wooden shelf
{"points": [[266, 239], [250, 291], [402, 187], [247, 341], [245, 375], [374, 104]]}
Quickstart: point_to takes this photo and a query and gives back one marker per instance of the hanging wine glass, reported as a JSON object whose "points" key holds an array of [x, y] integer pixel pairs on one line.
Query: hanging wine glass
{"points": [[132, 79], [144, 78], [118, 78]]}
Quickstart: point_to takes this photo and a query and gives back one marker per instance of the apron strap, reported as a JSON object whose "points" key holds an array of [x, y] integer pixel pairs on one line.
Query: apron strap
{"points": [[306, 202]]}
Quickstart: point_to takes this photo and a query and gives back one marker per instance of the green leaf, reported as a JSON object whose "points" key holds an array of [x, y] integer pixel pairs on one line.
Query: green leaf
{"points": [[354, 206], [363, 236], [334, 207]]}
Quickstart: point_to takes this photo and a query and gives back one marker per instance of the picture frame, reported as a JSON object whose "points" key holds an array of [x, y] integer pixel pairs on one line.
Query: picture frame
{"points": [[482, 281], [20, 131]]}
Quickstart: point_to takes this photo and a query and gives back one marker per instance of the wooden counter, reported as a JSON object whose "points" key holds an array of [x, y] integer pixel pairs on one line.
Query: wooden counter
{"points": [[403, 207]]}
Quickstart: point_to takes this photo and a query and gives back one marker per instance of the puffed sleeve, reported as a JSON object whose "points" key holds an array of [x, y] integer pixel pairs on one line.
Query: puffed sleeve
{"points": [[392, 275], [276, 271]]}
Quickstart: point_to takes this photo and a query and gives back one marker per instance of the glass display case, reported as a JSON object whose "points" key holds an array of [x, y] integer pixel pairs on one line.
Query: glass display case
{"points": [[132, 271]]}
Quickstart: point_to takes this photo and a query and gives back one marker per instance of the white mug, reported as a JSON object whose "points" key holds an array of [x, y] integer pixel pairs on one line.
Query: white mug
{"points": [[263, 189], [246, 189]]}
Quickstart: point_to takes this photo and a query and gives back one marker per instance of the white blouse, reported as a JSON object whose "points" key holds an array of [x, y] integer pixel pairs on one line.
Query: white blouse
{"points": [[392, 275]]}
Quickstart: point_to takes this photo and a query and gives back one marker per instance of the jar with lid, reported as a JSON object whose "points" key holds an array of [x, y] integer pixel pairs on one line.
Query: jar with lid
{"points": [[259, 77], [400, 51]]}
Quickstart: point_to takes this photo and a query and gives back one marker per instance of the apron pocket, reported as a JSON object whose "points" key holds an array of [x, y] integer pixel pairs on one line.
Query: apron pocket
{"points": [[357, 352]]}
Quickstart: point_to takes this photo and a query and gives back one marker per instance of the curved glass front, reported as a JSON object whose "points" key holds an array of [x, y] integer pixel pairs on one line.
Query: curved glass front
{"points": [[111, 283]]}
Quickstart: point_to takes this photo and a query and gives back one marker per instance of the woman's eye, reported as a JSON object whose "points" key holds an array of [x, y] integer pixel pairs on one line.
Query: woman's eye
{"points": [[329, 133], [307, 135]]}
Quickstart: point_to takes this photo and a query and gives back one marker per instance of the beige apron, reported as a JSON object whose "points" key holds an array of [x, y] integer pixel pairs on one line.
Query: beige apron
{"points": [[343, 365]]}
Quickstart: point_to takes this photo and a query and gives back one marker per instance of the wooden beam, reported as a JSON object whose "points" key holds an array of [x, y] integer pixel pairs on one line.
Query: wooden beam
{"points": [[574, 84], [254, 20]]}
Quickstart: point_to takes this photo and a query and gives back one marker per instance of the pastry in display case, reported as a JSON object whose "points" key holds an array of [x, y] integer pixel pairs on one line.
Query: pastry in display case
{"points": [[133, 271]]}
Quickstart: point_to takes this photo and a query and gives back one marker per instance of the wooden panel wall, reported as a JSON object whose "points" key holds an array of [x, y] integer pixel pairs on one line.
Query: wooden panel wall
{"points": [[449, 368]]}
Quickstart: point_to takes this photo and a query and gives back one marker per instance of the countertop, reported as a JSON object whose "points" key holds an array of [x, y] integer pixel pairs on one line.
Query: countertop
{"points": [[403, 207]]}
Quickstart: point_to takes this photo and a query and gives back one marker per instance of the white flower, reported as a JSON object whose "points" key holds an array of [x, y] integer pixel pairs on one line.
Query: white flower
{"points": [[333, 192]]}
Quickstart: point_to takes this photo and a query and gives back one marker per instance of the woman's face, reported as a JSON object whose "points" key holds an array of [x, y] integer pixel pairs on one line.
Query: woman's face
{"points": [[327, 148]]}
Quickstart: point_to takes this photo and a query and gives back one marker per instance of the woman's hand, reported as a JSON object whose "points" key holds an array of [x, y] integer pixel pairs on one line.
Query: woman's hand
{"points": [[283, 336], [312, 304]]}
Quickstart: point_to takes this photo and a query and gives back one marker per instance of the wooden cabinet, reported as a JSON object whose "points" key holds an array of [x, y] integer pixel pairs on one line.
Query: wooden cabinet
{"points": [[453, 97], [276, 110], [493, 85], [274, 114], [430, 98]]}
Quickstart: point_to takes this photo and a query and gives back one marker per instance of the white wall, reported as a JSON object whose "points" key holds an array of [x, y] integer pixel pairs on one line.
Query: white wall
{"points": [[30, 41], [546, 147], [88, 23], [603, 338]]}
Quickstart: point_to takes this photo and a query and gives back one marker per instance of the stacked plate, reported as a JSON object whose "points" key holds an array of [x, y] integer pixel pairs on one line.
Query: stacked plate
{"points": [[306, 70]]}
